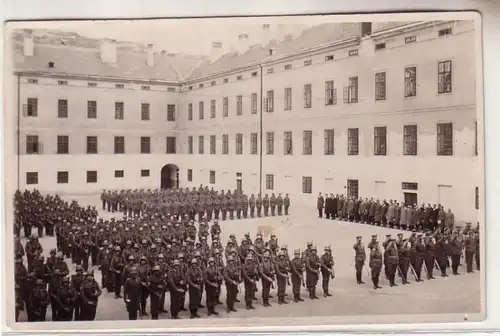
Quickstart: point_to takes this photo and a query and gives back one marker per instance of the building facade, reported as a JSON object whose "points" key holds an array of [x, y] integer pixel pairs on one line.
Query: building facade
{"points": [[389, 114]]}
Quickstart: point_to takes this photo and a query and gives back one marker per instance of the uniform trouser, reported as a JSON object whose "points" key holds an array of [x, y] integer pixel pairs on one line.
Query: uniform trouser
{"points": [[194, 300], [443, 264], [469, 257], [391, 272], [281, 282], [78, 309], [54, 306], [88, 312], [216, 213], [133, 308], [232, 291], [252, 212], [359, 269], [211, 298], [325, 277], [478, 259], [273, 210], [66, 314], [259, 211], [85, 261], [249, 292], [238, 213], [311, 282], [162, 301], [429, 264], [266, 289], [40, 317], [403, 267], [286, 209], [375, 275], [455, 262], [418, 267], [224, 214], [296, 283], [118, 283], [245, 212], [144, 298], [155, 306], [266, 210], [175, 303], [280, 210], [386, 270], [320, 213], [110, 279], [40, 230], [27, 230]]}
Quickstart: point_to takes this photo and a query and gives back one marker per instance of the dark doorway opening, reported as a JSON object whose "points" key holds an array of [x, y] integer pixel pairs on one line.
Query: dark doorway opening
{"points": [[169, 176]]}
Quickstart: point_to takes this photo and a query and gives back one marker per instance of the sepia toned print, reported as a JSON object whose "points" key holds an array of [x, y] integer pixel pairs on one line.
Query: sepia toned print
{"points": [[271, 169]]}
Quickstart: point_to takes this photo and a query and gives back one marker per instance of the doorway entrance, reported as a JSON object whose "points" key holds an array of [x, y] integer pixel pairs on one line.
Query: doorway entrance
{"points": [[169, 176]]}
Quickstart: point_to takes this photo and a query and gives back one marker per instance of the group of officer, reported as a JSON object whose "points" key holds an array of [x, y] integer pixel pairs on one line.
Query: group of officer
{"points": [[197, 203], [412, 254], [385, 213], [151, 256]]}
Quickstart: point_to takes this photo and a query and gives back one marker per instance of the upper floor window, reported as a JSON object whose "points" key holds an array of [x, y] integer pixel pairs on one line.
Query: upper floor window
{"points": [[307, 138], [444, 76], [288, 143], [119, 110], [380, 86], [411, 81], [201, 144], [353, 141], [190, 111], [225, 107], [380, 140], [410, 140], [239, 105], [225, 144], [330, 93], [329, 142], [288, 99], [212, 108], [253, 143], [270, 143], [32, 144], [62, 144], [239, 144], [307, 96], [351, 91], [269, 101], [62, 108], [91, 109], [190, 144], [201, 110], [445, 139], [254, 103], [144, 111], [32, 107], [170, 112], [119, 145]]}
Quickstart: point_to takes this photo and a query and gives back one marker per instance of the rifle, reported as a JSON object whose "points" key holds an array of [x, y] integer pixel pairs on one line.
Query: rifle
{"points": [[60, 303]]}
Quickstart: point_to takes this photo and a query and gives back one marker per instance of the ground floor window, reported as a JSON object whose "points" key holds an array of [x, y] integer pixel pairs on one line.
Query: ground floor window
{"points": [[144, 172], [411, 198], [32, 178], [62, 177], [91, 176], [307, 184], [212, 176], [119, 173], [190, 175], [269, 181], [353, 188]]}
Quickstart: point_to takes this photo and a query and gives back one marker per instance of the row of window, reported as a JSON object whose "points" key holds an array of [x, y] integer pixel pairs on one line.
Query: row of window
{"points": [[91, 176], [63, 110], [350, 93], [352, 52], [34, 146], [410, 141], [94, 84]]}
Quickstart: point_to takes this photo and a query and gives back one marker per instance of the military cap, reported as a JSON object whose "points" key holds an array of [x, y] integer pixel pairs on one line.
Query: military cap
{"points": [[309, 243], [374, 236], [144, 258], [65, 280], [400, 235], [314, 248], [53, 251], [420, 235], [105, 242], [160, 256], [358, 237], [39, 282], [156, 268], [249, 257], [133, 270], [388, 235], [194, 261], [230, 258], [131, 257], [177, 262], [296, 252], [211, 259], [284, 247], [328, 248]]}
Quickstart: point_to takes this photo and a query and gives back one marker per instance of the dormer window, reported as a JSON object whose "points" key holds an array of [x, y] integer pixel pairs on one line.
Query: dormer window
{"points": [[51, 65]]}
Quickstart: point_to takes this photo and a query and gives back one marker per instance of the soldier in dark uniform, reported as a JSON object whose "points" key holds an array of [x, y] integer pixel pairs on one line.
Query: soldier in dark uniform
{"points": [[404, 260], [89, 294], [217, 206], [286, 203], [194, 280], [232, 278], [297, 272], [273, 204], [54, 286], [209, 207], [267, 272], [419, 257], [265, 204], [211, 281], [327, 271], [376, 265], [252, 204], [456, 252], [156, 287], [132, 293], [67, 298], [244, 205], [359, 259], [469, 252], [320, 205], [38, 302], [373, 242], [477, 250], [249, 275], [282, 268], [258, 205], [392, 262], [312, 272], [430, 256], [104, 262], [143, 273], [117, 269], [76, 282], [177, 288]]}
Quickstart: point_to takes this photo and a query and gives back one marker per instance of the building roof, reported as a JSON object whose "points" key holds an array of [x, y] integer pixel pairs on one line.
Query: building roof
{"points": [[74, 54]]}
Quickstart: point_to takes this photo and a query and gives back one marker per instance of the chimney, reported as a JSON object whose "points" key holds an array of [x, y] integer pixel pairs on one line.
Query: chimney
{"points": [[217, 51], [28, 44], [108, 51], [243, 43], [151, 56], [366, 29]]}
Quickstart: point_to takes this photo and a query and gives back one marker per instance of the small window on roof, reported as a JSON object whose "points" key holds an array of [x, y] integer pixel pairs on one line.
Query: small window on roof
{"points": [[51, 64]]}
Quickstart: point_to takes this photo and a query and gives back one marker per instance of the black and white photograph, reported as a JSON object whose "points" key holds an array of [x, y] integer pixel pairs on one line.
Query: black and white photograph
{"points": [[260, 170]]}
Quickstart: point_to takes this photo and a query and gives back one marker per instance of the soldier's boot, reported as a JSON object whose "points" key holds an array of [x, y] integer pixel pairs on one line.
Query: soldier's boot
{"points": [[314, 293], [280, 300], [299, 298], [326, 292], [251, 306], [248, 304], [193, 313], [310, 293], [283, 299], [214, 312], [374, 281], [295, 298], [268, 304]]}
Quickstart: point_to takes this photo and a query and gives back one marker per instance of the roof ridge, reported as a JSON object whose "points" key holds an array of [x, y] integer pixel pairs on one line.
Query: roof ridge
{"points": [[179, 75]]}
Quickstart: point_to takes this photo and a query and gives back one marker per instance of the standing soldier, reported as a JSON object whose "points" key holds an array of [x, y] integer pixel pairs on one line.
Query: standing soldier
{"points": [[279, 204], [286, 203], [404, 260], [231, 277], [143, 273], [297, 271], [132, 293], [272, 204], [282, 268], [209, 207], [456, 252], [477, 250], [38, 302], [327, 271], [89, 294], [419, 257], [67, 298], [238, 201], [392, 262], [266, 270], [252, 203], [320, 205], [194, 279], [312, 272], [244, 206], [117, 269], [211, 281], [359, 259], [376, 265], [177, 285], [249, 279], [469, 252], [54, 286], [258, 204], [265, 204], [156, 286], [430, 256], [216, 206], [224, 205]]}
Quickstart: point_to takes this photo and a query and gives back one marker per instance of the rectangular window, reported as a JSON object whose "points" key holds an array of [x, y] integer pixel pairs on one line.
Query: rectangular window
{"points": [[477, 198], [353, 52], [32, 81], [240, 77], [91, 84], [213, 144], [270, 101], [31, 178], [288, 67], [171, 145], [411, 81], [190, 175], [307, 63], [352, 188], [269, 182], [379, 46], [201, 144], [201, 85], [239, 144], [410, 140], [62, 82], [170, 89], [62, 177], [307, 141], [119, 173], [307, 96], [119, 110], [91, 176], [288, 99], [32, 144], [306, 184], [201, 110], [212, 177], [444, 32], [270, 70], [119, 86], [190, 144], [225, 144], [62, 144], [62, 108], [144, 111], [32, 107], [119, 145], [329, 142], [225, 107], [145, 173], [380, 140], [409, 186], [92, 109], [288, 143], [411, 198], [380, 85], [410, 39], [329, 58], [145, 145], [190, 111], [92, 145], [253, 143], [270, 143], [213, 110], [444, 77], [445, 139], [170, 112], [330, 93], [352, 141], [351, 91], [254, 103], [239, 105]]}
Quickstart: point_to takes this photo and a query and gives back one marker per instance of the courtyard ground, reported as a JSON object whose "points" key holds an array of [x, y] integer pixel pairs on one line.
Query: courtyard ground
{"points": [[452, 295]]}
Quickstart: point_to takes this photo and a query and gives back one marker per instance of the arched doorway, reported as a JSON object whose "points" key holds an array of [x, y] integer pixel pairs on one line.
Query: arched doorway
{"points": [[169, 176]]}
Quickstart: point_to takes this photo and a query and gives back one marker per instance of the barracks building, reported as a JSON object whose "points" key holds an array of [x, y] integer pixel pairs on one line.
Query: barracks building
{"points": [[383, 110]]}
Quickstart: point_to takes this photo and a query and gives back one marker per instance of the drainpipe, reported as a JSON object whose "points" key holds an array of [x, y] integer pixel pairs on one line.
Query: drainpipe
{"points": [[18, 131], [261, 126]]}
